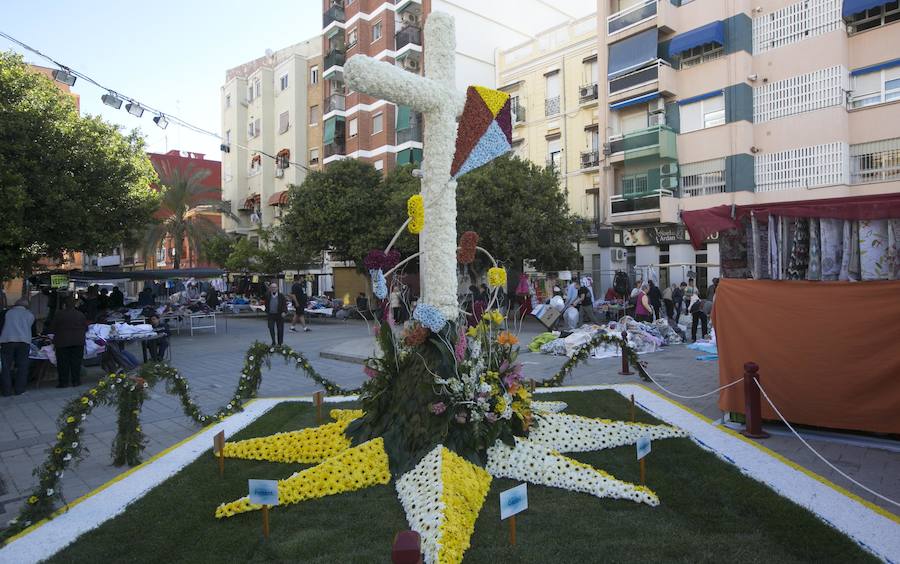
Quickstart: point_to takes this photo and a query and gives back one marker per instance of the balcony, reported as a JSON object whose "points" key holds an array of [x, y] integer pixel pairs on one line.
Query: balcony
{"points": [[336, 147], [518, 115], [631, 16], [333, 14], [408, 35], [587, 93], [654, 206], [590, 159], [334, 58], [411, 133], [335, 102], [656, 140], [551, 106], [657, 76]]}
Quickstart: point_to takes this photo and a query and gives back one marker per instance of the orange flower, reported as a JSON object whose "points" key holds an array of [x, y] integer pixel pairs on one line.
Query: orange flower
{"points": [[507, 338]]}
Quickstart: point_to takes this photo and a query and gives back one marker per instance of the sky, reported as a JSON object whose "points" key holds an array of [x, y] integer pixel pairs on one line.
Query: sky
{"points": [[166, 54]]}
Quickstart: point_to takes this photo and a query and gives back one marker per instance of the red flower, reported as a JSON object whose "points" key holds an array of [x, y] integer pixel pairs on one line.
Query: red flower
{"points": [[467, 243]]}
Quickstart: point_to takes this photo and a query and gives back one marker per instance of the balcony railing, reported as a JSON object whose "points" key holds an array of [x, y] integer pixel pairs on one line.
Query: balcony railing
{"points": [[551, 106], [648, 201], [333, 14], [407, 35], [334, 58], [337, 147], [590, 159], [655, 136], [630, 16], [335, 102], [587, 92], [411, 133], [553, 161], [636, 78]]}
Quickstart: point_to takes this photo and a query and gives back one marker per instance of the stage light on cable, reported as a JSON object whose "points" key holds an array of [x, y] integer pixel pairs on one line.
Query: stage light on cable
{"points": [[64, 76], [112, 100], [134, 109], [161, 121]]}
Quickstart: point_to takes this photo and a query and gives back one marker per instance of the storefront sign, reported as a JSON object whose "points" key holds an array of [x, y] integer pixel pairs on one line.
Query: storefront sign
{"points": [[59, 281], [670, 234]]}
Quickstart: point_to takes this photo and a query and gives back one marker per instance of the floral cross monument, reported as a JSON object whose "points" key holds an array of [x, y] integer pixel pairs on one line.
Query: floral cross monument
{"points": [[445, 409], [436, 97]]}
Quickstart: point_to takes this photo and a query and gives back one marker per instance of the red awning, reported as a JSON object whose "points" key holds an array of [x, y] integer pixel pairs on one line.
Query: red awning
{"points": [[279, 198], [701, 224], [251, 202]]}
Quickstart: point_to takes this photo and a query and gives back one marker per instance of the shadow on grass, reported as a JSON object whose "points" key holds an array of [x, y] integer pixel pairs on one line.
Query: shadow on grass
{"points": [[708, 512]]}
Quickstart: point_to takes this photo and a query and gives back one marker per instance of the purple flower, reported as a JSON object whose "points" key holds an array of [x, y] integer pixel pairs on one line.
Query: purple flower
{"points": [[491, 417], [460, 350], [370, 372], [438, 407]]}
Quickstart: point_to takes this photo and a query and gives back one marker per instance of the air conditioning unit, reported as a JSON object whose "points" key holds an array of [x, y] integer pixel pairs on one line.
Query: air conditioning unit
{"points": [[279, 172], [668, 183], [410, 64], [657, 119], [409, 18], [589, 91], [619, 254], [657, 106], [668, 169]]}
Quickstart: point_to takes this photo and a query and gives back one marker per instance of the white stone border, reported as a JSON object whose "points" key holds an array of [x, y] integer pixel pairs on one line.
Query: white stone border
{"points": [[871, 530]]}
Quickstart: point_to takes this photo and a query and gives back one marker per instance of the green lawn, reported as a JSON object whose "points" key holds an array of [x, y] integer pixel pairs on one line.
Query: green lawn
{"points": [[709, 512]]}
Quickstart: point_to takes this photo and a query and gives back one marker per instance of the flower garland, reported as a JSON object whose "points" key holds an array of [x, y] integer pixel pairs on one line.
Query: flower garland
{"points": [[415, 208], [585, 352], [130, 393]]}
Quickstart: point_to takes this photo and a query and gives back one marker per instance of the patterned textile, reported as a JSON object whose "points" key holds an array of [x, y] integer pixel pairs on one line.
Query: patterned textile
{"points": [[832, 231], [799, 261], [814, 272], [873, 249], [774, 268], [733, 252], [855, 272], [894, 249]]}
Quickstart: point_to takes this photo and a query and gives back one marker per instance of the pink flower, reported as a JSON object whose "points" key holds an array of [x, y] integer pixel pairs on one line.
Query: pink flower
{"points": [[370, 372], [461, 345], [438, 407]]}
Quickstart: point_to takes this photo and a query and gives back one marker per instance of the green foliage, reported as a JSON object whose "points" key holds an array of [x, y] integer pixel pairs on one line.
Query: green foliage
{"points": [[349, 209], [269, 254], [218, 248], [519, 213], [66, 182]]}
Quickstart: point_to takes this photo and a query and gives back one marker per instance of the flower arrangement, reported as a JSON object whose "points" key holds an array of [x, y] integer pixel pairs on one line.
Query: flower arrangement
{"points": [[468, 244], [379, 284], [430, 317], [305, 445], [378, 259], [497, 277], [415, 208]]}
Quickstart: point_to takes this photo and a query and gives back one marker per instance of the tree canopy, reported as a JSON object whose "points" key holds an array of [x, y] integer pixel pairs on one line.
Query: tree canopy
{"points": [[67, 182]]}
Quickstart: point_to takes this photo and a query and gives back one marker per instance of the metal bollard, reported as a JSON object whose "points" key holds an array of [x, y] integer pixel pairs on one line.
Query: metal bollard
{"points": [[626, 370], [752, 414]]}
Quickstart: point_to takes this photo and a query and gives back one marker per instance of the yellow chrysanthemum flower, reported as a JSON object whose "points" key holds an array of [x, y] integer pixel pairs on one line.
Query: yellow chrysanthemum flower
{"points": [[415, 208], [496, 277]]}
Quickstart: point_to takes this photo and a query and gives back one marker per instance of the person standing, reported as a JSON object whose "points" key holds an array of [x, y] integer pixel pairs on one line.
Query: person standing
{"points": [[689, 292], [116, 298], [15, 340], [711, 291], [69, 326], [697, 315], [212, 297], [668, 301], [298, 296], [276, 307], [40, 307], [395, 304], [158, 347], [678, 298], [89, 304], [642, 307], [655, 296], [586, 304]]}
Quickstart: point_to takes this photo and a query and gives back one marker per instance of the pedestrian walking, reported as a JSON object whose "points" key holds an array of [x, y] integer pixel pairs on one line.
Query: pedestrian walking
{"points": [[689, 292], [678, 298], [300, 299], [711, 291], [697, 316], [69, 326], [15, 340], [642, 307], [276, 307], [655, 297], [668, 301], [586, 304]]}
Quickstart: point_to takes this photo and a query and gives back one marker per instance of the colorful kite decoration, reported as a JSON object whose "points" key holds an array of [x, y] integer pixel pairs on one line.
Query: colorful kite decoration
{"points": [[485, 130]]}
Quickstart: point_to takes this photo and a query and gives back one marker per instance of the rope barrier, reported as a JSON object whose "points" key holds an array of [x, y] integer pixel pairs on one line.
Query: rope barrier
{"points": [[814, 451], [668, 391]]}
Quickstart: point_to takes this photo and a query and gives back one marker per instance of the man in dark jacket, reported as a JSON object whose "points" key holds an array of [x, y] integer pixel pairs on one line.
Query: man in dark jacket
{"points": [[276, 307], [68, 328], [116, 298], [655, 297]]}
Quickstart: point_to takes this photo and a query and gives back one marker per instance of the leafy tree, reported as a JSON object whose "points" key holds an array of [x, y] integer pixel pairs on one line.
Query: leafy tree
{"points": [[263, 255], [217, 249], [243, 256], [66, 182], [184, 211]]}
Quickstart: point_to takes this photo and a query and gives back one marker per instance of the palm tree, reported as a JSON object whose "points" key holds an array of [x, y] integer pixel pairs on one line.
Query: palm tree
{"points": [[184, 204]]}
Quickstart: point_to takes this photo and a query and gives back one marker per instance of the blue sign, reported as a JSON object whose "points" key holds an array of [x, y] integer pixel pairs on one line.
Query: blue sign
{"points": [[513, 500], [643, 447], [263, 492]]}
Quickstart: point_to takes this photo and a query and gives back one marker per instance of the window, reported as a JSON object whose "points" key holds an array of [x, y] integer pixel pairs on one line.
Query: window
{"points": [[632, 119], [250, 93], [701, 54], [702, 114], [377, 123], [314, 75], [634, 184], [313, 115], [228, 100], [353, 127], [592, 137], [590, 71], [352, 38], [376, 32], [283, 159], [283, 81], [314, 156], [876, 87], [283, 122], [551, 101], [517, 109], [257, 85], [253, 128], [228, 137], [703, 178], [878, 161], [379, 165], [875, 17], [554, 153]]}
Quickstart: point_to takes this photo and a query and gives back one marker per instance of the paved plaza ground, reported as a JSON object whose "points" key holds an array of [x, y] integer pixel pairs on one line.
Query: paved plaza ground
{"points": [[211, 363]]}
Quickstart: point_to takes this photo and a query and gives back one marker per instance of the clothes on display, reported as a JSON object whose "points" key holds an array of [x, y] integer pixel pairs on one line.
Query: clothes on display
{"points": [[799, 260], [642, 338]]}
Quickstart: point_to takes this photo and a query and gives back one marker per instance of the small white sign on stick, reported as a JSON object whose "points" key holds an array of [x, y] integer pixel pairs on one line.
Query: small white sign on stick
{"points": [[513, 500], [263, 492], [643, 447]]}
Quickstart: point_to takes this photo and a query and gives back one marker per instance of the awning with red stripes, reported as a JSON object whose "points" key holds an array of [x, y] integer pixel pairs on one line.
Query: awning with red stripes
{"points": [[251, 202], [279, 198]]}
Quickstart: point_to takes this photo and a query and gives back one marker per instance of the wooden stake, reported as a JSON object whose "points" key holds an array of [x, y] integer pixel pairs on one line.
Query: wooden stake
{"points": [[512, 530], [643, 473], [265, 515], [632, 408], [317, 399], [219, 449]]}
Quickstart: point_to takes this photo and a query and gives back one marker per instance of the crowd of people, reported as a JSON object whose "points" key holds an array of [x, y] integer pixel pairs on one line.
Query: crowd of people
{"points": [[652, 303]]}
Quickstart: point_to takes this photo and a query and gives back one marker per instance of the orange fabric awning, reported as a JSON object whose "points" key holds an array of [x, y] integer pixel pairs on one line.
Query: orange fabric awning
{"points": [[250, 202], [279, 198]]}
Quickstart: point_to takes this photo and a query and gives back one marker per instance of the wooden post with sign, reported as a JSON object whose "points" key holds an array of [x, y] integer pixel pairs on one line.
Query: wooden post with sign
{"points": [[265, 515], [643, 449], [632, 408], [512, 531], [317, 401], [219, 449], [643, 473]]}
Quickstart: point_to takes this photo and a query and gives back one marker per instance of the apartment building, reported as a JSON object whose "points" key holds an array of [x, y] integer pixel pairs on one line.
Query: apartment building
{"points": [[553, 84], [711, 102], [270, 116]]}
